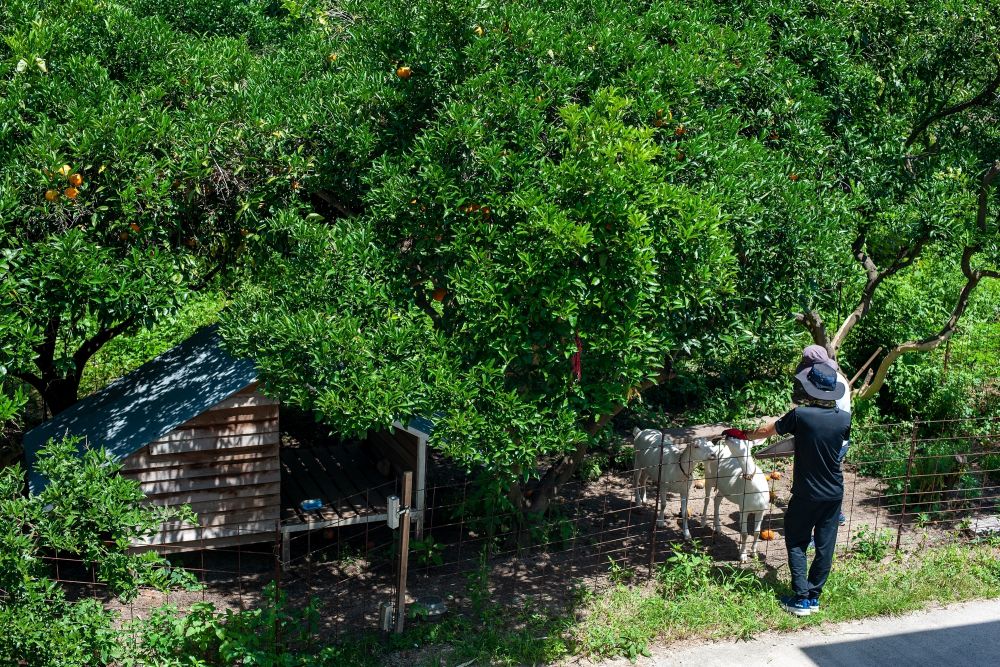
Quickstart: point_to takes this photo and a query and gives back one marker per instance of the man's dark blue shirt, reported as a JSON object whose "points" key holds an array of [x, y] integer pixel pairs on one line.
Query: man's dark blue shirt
{"points": [[819, 435]]}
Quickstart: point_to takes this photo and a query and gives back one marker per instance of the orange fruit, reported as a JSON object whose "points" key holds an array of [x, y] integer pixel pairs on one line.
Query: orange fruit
{"points": [[134, 227], [775, 475], [52, 195], [64, 170], [75, 179], [123, 236], [680, 131], [404, 72], [767, 535], [486, 212], [296, 185], [793, 177], [658, 122], [680, 156], [71, 192], [191, 242], [440, 293]]}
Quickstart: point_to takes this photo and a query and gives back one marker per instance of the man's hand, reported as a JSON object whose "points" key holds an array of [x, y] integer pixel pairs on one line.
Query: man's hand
{"points": [[766, 431]]}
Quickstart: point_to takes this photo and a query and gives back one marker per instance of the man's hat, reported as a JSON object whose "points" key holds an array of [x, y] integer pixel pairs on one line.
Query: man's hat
{"points": [[820, 382]]}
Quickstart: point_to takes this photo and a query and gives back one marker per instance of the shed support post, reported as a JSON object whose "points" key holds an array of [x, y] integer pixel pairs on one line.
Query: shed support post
{"points": [[286, 548], [421, 485], [404, 550]]}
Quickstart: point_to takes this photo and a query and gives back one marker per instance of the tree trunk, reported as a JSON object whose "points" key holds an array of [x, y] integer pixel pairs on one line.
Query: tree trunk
{"points": [[61, 393], [560, 472]]}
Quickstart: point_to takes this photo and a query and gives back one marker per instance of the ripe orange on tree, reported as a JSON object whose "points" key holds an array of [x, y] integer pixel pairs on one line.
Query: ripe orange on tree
{"points": [[404, 72], [680, 131], [767, 535], [440, 293], [64, 170], [75, 179], [52, 195], [134, 227], [793, 177], [71, 192]]}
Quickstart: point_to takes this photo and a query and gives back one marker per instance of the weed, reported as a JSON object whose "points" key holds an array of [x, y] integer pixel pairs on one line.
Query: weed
{"points": [[871, 544]]}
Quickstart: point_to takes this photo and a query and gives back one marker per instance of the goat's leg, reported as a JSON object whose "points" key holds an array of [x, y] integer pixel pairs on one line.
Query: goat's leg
{"points": [[758, 520], [743, 536], [640, 487]]}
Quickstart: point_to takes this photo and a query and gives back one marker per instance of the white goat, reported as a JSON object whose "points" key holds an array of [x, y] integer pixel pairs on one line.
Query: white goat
{"points": [[675, 476], [734, 474]]}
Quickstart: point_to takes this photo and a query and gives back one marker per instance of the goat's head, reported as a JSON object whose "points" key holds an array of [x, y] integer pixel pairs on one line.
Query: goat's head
{"points": [[703, 449]]}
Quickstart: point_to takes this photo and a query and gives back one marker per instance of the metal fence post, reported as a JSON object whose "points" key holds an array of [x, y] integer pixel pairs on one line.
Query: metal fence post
{"points": [[906, 484], [404, 550], [656, 511]]}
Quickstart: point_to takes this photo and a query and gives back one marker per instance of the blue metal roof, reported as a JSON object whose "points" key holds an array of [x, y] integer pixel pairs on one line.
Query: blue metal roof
{"points": [[149, 402]]}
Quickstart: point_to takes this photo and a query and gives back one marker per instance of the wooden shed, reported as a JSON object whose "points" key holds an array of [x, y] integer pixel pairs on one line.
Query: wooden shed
{"points": [[191, 428]]}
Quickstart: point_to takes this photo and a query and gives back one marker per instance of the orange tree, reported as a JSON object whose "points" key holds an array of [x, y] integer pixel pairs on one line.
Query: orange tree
{"points": [[528, 213], [536, 220], [141, 143]]}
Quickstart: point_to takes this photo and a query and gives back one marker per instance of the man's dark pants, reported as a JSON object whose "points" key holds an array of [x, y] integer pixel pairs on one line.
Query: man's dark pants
{"points": [[807, 519]]}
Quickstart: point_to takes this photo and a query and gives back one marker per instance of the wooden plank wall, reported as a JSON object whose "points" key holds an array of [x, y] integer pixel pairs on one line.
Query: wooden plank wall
{"points": [[223, 463]]}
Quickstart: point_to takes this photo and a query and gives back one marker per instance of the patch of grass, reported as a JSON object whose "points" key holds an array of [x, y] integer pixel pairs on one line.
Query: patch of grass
{"points": [[737, 603]]}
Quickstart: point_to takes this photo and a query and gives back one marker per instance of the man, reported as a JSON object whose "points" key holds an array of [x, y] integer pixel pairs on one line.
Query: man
{"points": [[817, 354], [820, 429]]}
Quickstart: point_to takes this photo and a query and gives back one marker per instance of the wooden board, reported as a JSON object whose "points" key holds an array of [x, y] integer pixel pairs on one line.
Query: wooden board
{"points": [[233, 416], [234, 482], [221, 506], [142, 460], [206, 520], [242, 401], [193, 470], [178, 497], [219, 431], [205, 444], [198, 534]]}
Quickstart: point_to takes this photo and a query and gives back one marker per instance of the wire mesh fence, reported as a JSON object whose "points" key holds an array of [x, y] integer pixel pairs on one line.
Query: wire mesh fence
{"points": [[907, 486]]}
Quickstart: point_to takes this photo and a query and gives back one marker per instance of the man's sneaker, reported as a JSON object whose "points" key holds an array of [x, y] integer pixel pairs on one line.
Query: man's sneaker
{"points": [[813, 605], [795, 606], [842, 519]]}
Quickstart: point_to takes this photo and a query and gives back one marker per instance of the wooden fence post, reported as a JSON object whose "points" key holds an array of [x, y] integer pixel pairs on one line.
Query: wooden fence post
{"points": [[656, 511], [404, 550], [906, 484]]}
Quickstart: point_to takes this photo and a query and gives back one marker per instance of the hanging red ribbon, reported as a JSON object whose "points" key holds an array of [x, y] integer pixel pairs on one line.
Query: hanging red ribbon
{"points": [[577, 359]]}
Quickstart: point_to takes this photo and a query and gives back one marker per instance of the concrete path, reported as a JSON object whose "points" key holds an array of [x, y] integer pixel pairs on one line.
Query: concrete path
{"points": [[966, 635]]}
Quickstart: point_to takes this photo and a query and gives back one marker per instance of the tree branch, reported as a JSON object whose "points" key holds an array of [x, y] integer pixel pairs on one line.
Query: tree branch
{"points": [[812, 321], [873, 383], [982, 98], [96, 342], [344, 210], [31, 379], [904, 258]]}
